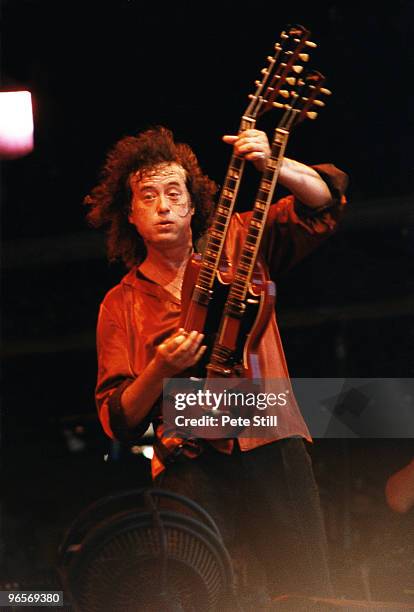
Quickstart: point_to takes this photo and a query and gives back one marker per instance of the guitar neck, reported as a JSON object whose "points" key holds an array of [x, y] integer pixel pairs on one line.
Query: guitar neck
{"points": [[244, 270], [274, 77], [218, 230]]}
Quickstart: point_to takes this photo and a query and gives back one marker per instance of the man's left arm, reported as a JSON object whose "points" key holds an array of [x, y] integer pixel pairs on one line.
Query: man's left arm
{"points": [[298, 223], [305, 184]]}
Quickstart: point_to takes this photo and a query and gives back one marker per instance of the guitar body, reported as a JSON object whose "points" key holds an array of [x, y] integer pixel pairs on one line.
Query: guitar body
{"points": [[198, 313], [235, 351], [256, 326], [243, 335]]}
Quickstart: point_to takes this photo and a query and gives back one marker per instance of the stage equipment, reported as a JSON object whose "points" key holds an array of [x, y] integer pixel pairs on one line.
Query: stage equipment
{"points": [[145, 549]]}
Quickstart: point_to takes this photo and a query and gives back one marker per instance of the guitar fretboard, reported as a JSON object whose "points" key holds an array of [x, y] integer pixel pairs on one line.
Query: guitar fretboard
{"points": [[244, 270], [218, 229]]}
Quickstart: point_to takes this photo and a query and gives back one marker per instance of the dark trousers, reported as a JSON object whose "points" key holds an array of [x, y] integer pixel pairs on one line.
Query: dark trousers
{"points": [[266, 505]]}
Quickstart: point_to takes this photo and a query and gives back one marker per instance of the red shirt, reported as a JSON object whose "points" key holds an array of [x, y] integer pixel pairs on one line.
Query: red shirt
{"points": [[138, 314]]}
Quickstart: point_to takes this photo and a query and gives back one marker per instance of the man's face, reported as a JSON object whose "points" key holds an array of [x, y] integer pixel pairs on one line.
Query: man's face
{"points": [[161, 208]]}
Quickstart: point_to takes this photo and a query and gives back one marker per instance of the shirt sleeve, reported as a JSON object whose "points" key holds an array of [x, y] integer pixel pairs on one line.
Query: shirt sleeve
{"points": [[293, 230], [114, 376]]}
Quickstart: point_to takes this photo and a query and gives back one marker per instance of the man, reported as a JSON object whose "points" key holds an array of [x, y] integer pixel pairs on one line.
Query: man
{"points": [[156, 202]]}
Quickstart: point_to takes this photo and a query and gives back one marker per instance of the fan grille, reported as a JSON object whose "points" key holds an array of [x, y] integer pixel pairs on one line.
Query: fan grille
{"points": [[151, 561]]}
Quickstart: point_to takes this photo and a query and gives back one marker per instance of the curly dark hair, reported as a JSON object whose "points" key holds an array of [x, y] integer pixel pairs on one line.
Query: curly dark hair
{"points": [[110, 200]]}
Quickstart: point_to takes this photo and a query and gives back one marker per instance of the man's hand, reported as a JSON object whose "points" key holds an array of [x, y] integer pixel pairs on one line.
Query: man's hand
{"points": [[252, 145], [304, 182], [179, 352]]}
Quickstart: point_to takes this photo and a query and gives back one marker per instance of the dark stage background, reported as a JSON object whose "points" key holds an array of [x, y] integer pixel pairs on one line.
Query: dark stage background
{"points": [[99, 71]]}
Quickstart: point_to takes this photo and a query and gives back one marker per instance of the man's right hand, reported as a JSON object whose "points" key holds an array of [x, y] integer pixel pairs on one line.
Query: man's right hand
{"points": [[180, 351]]}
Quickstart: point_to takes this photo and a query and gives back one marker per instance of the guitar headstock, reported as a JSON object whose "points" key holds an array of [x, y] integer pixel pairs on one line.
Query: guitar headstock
{"points": [[310, 96], [303, 100], [282, 70]]}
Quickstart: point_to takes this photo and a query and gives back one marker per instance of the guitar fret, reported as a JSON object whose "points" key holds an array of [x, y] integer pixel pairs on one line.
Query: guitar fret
{"points": [[241, 277], [211, 250], [213, 240], [218, 223], [222, 212], [258, 215], [230, 184], [213, 246], [203, 287], [236, 290], [220, 220], [263, 194], [224, 204], [209, 265], [255, 226], [243, 266], [266, 183], [251, 239], [205, 276], [257, 222]]}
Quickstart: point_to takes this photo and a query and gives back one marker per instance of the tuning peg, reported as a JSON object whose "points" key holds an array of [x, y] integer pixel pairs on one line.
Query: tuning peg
{"points": [[291, 81], [270, 58], [310, 44], [283, 35], [297, 69], [311, 115], [264, 71], [318, 103], [278, 105], [304, 57], [325, 91], [252, 97], [284, 93], [257, 83]]}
